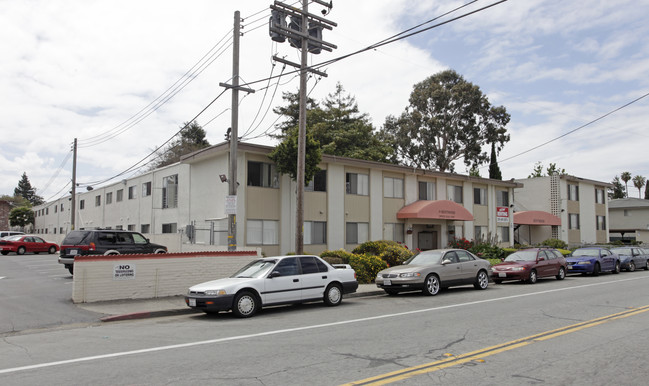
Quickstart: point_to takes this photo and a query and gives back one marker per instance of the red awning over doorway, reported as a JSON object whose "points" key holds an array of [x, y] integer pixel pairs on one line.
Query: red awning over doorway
{"points": [[536, 217], [439, 209]]}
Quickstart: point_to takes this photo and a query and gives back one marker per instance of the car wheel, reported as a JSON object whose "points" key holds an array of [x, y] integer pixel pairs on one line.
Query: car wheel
{"points": [[631, 266], [532, 278], [646, 267], [391, 292], [52, 250], [597, 269], [431, 285], [245, 304], [333, 295], [562, 273], [481, 281], [617, 267], [21, 250]]}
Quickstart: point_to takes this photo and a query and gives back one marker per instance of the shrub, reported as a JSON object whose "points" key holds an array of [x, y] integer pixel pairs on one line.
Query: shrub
{"points": [[554, 243], [488, 251], [375, 248], [460, 243], [342, 255], [366, 267], [494, 261], [395, 255]]}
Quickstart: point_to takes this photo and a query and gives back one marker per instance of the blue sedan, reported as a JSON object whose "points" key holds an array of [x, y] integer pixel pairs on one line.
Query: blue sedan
{"points": [[632, 258], [593, 260]]}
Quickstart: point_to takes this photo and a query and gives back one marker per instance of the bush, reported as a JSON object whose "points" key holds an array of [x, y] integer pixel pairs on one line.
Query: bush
{"points": [[395, 255], [341, 256], [488, 251], [366, 267], [554, 243], [460, 243], [375, 248]]}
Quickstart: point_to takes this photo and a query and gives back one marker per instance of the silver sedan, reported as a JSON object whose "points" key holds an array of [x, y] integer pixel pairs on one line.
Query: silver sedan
{"points": [[429, 271]]}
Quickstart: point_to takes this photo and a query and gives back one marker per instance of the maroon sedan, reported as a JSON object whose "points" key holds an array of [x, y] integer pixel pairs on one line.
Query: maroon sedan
{"points": [[529, 265], [26, 243]]}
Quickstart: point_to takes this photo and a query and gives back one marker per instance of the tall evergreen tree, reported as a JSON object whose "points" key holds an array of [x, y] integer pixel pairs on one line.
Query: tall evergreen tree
{"points": [[618, 189], [494, 169], [626, 177], [25, 190], [190, 139], [639, 182]]}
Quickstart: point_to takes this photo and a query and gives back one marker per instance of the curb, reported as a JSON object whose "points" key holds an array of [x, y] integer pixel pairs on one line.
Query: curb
{"points": [[183, 311]]}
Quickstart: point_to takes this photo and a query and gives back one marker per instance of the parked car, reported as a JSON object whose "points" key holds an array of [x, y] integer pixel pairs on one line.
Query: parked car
{"points": [[593, 260], [22, 244], [4, 234], [104, 242], [273, 281], [430, 271], [529, 265], [632, 258]]}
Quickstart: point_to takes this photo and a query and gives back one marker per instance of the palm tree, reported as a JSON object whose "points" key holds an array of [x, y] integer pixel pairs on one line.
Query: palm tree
{"points": [[639, 182], [626, 177]]}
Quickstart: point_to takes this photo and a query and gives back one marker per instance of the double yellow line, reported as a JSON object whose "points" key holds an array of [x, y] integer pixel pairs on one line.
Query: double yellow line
{"points": [[485, 352]]}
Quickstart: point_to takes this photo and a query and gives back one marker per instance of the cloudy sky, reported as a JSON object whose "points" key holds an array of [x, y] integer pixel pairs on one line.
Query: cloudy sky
{"points": [[123, 76]]}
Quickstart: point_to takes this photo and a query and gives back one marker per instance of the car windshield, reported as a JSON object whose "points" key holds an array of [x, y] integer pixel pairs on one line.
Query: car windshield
{"points": [[257, 268], [522, 256], [586, 252], [623, 251], [425, 258]]}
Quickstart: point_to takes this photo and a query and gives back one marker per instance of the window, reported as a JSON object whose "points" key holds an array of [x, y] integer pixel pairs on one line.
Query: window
{"points": [[263, 232], [120, 195], [464, 256], [262, 174], [109, 198], [480, 196], [357, 232], [61, 230], [82, 204], [573, 221], [55, 208], [97, 200], [454, 193], [392, 187], [61, 207], [358, 184], [131, 227], [119, 227], [287, 267], [132, 192], [599, 196], [145, 228], [502, 198], [170, 192], [315, 232], [503, 232], [146, 189], [480, 233], [601, 223], [169, 228], [573, 192], [394, 232], [310, 265], [426, 190], [318, 183], [47, 211], [456, 231], [627, 213]]}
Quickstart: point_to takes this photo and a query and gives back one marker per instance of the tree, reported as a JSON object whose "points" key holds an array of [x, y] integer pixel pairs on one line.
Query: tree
{"points": [[25, 190], [448, 118], [191, 138], [618, 190], [626, 177], [284, 156], [537, 171], [551, 170], [21, 216], [639, 182], [646, 192], [494, 169]]}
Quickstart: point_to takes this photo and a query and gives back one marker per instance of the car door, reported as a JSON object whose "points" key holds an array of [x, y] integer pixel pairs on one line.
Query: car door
{"points": [[283, 284], [543, 264], [313, 280], [607, 259], [638, 258], [469, 267], [450, 273], [38, 245], [30, 244]]}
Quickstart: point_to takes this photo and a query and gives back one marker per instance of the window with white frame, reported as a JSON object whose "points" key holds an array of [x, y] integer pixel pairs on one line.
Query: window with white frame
{"points": [[262, 174], [132, 192], [318, 183], [427, 191], [119, 195], [315, 232], [357, 232], [456, 231], [502, 198], [98, 200], [170, 192], [394, 232], [82, 204], [392, 187], [480, 196], [573, 221], [109, 198], [169, 228], [503, 232], [146, 189], [600, 197], [573, 192], [145, 228], [454, 193], [262, 232], [356, 183], [480, 232], [601, 223]]}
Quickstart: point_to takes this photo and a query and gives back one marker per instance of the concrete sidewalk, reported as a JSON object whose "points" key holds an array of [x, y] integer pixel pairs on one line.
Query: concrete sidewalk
{"points": [[117, 310]]}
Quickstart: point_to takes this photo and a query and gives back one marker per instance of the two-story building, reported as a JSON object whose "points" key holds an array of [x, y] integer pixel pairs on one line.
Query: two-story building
{"points": [[629, 219]]}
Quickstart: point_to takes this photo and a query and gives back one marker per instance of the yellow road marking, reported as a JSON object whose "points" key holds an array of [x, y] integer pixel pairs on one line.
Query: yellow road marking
{"points": [[485, 352]]}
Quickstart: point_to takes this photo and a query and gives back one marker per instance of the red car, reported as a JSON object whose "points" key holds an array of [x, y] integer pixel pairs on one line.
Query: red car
{"points": [[529, 265], [26, 243]]}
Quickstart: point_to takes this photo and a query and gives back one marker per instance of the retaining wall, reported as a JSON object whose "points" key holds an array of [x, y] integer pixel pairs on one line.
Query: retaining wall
{"points": [[117, 277]]}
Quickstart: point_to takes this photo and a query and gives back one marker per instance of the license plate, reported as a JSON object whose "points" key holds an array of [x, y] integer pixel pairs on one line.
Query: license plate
{"points": [[192, 302], [502, 274], [74, 252], [387, 282], [570, 267]]}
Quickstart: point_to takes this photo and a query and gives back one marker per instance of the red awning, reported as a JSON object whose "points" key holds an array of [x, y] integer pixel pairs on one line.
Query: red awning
{"points": [[536, 217], [440, 209]]}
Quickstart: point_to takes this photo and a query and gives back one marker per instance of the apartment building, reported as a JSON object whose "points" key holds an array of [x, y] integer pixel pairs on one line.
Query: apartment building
{"points": [[629, 219]]}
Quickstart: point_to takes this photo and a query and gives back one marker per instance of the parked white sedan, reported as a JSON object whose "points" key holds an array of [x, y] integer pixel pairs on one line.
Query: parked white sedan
{"points": [[272, 281]]}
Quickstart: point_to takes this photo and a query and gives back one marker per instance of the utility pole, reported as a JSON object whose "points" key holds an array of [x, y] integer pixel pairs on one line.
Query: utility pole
{"points": [[73, 192], [234, 135], [304, 32]]}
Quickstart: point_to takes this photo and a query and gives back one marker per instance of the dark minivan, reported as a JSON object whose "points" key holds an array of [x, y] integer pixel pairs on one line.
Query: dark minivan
{"points": [[104, 242]]}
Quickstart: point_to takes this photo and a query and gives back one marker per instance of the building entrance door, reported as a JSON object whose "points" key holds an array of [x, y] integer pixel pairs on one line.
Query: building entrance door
{"points": [[427, 240]]}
